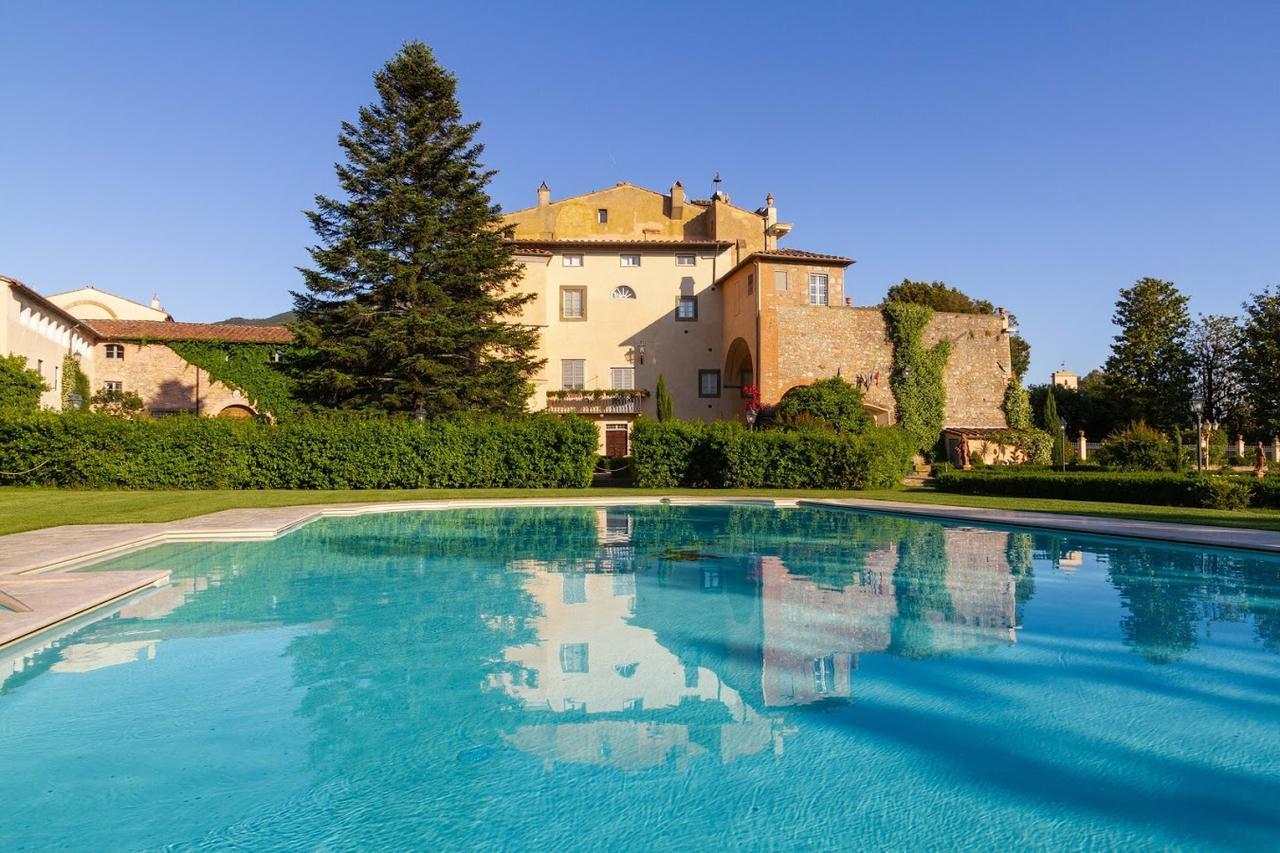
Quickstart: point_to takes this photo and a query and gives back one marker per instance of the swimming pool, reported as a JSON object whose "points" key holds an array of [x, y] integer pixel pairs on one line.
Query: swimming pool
{"points": [[658, 677]]}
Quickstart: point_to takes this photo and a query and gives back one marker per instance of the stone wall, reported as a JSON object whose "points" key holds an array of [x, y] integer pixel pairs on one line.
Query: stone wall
{"points": [[164, 380], [816, 342]]}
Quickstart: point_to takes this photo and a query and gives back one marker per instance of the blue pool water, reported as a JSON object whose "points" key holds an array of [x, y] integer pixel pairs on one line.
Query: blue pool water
{"points": [[657, 678]]}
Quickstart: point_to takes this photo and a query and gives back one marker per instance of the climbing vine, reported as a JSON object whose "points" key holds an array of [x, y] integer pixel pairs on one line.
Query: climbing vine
{"points": [[1017, 404], [251, 369], [919, 394], [74, 382]]}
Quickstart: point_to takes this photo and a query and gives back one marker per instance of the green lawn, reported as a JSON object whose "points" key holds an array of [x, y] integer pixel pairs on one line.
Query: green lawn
{"points": [[33, 508]]}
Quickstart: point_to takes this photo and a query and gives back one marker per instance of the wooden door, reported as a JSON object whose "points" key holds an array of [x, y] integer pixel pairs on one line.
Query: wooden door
{"points": [[615, 440]]}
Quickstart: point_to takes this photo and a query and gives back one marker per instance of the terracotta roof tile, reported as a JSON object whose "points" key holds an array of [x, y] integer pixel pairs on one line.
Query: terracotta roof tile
{"points": [[797, 253], [161, 330], [528, 250]]}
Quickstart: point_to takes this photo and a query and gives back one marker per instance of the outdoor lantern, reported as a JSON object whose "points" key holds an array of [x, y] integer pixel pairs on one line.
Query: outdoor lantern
{"points": [[640, 351], [751, 418], [1197, 406], [420, 414]]}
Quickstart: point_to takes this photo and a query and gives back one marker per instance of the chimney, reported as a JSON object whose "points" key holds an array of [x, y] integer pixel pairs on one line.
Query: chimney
{"points": [[677, 200], [770, 212], [544, 195], [155, 302]]}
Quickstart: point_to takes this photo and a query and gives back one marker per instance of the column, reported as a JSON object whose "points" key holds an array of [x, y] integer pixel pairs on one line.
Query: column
{"points": [[1083, 448]]}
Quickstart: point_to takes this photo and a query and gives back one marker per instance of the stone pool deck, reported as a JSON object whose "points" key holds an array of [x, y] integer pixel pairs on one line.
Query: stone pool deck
{"points": [[38, 590]]}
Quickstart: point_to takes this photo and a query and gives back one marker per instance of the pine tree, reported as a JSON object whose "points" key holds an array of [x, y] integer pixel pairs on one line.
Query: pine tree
{"points": [[411, 302], [662, 398], [1150, 367], [1049, 416]]}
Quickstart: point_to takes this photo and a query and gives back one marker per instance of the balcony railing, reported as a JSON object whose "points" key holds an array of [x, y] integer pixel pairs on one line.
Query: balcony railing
{"points": [[596, 402]]}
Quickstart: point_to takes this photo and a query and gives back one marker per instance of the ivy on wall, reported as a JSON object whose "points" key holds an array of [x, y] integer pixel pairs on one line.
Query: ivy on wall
{"points": [[1017, 404], [74, 382], [249, 368], [919, 394]]}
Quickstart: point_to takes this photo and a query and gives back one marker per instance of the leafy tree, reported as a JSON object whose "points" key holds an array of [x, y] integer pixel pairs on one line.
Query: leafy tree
{"points": [[20, 387], [411, 300], [831, 402], [1017, 405], [120, 404], [1150, 367], [1020, 354], [662, 397], [938, 296], [1091, 407], [1258, 358], [1214, 343]]}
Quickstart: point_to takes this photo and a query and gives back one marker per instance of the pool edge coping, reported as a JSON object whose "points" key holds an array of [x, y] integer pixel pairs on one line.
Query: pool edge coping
{"points": [[276, 522]]}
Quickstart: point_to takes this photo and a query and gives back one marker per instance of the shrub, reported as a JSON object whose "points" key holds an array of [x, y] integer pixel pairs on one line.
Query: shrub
{"points": [[727, 455], [833, 402], [1223, 492], [1017, 404], [1160, 488], [1137, 447], [119, 404], [1036, 444], [20, 386], [334, 452]]}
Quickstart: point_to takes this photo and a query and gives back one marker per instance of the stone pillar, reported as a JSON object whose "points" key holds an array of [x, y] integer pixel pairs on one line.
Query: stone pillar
{"points": [[1275, 450], [1083, 448], [1202, 447], [1240, 446]]}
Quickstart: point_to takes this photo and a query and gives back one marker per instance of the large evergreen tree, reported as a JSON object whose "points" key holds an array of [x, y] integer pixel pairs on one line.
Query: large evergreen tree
{"points": [[1258, 361], [411, 302], [1149, 369]]}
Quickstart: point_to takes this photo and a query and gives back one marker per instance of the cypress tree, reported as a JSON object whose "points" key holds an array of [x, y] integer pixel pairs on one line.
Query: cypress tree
{"points": [[410, 304], [1051, 423], [662, 397]]}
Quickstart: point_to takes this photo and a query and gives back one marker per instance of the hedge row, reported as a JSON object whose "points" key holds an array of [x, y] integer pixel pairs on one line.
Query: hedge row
{"points": [[1153, 488], [727, 455], [187, 452]]}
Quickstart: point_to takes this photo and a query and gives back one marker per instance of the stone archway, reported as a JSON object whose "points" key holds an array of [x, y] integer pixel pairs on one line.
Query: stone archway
{"points": [[739, 372], [237, 412]]}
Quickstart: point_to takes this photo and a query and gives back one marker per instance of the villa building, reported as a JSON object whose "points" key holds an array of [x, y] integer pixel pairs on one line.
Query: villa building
{"points": [[634, 285], [631, 285], [122, 345]]}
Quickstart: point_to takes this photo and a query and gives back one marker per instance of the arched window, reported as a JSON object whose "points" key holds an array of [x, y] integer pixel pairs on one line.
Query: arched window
{"points": [[623, 292]]}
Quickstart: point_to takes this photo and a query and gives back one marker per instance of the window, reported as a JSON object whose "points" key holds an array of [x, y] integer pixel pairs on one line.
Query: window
{"points": [[573, 657], [622, 378], [574, 589], [115, 350], [687, 308], [630, 260], [573, 303], [573, 374], [686, 260], [817, 289], [573, 260], [602, 216], [751, 283], [708, 383], [779, 281], [112, 386], [622, 292]]}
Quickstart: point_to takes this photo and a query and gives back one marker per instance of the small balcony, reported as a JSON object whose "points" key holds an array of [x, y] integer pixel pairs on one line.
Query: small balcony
{"points": [[596, 402]]}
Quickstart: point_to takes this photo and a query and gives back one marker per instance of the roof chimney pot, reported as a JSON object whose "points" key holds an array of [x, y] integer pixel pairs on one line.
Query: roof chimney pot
{"points": [[544, 194]]}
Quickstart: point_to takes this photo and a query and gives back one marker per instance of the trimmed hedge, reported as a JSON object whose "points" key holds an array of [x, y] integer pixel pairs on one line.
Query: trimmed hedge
{"points": [[187, 452], [1222, 491], [726, 455]]}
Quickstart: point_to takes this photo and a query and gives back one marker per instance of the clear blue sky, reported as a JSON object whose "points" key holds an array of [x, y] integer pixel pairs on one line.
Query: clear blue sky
{"points": [[1041, 155]]}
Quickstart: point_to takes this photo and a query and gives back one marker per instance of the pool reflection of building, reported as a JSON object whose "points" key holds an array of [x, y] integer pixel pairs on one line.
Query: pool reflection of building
{"points": [[663, 661]]}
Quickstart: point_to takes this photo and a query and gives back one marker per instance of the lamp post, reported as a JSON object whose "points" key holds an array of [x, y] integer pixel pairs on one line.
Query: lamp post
{"points": [[420, 413], [1197, 406], [751, 418], [1062, 427]]}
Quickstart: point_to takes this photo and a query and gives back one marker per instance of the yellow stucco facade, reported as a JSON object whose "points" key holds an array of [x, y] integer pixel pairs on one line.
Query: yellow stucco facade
{"points": [[633, 285]]}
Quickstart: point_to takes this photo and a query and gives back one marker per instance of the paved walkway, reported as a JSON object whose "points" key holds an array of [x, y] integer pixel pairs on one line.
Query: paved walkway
{"points": [[37, 591]]}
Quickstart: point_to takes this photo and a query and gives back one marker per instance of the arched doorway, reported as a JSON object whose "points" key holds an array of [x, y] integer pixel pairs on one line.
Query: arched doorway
{"points": [[237, 412], [739, 372]]}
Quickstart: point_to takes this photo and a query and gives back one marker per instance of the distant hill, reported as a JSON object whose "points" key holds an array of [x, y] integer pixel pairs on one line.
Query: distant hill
{"points": [[274, 320]]}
